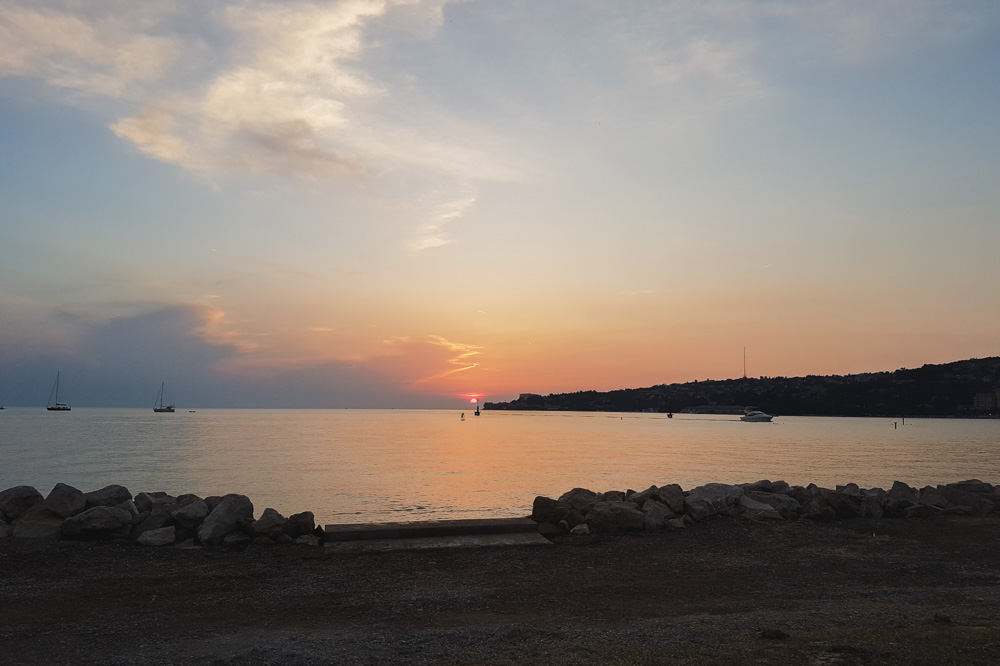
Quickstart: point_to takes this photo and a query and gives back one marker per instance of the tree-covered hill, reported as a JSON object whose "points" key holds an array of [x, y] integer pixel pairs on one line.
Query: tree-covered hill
{"points": [[948, 389]]}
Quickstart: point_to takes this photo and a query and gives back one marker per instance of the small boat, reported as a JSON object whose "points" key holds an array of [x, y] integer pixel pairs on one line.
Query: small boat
{"points": [[163, 408], [755, 416], [58, 406]]}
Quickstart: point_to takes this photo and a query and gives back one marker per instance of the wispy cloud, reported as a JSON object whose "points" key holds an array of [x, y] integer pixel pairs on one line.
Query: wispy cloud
{"points": [[433, 352], [434, 233]]}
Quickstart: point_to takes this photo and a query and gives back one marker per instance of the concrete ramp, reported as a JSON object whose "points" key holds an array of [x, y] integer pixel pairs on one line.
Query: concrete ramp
{"points": [[431, 534]]}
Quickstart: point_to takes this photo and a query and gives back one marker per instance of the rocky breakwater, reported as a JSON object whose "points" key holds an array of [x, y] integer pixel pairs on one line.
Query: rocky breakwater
{"points": [[148, 518], [582, 511]]}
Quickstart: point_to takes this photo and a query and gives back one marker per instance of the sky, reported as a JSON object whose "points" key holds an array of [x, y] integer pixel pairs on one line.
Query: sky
{"points": [[413, 203]]}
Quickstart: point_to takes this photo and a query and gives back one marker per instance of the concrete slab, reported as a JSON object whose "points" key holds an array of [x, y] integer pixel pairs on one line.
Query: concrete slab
{"points": [[432, 543], [429, 528]]}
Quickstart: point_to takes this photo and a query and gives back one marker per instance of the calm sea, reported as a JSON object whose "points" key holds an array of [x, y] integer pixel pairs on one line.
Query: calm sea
{"points": [[385, 465]]}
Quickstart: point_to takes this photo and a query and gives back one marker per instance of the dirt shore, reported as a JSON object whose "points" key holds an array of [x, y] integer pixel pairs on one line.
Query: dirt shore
{"points": [[720, 592]]}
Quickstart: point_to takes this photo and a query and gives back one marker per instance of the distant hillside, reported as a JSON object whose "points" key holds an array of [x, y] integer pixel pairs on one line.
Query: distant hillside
{"points": [[963, 388]]}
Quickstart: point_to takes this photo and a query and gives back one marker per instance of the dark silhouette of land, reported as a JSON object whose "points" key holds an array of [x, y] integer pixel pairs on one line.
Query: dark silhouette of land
{"points": [[961, 389]]}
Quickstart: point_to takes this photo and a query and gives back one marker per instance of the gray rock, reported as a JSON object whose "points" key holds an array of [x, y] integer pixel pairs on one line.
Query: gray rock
{"points": [[581, 529], [903, 493], [129, 505], [307, 540], [844, 505], [976, 502], [758, 486], [270, 523], [580, 499], [213, 501], [161, 537], [546, 510], [817, 508], [849, 489], [225, 518], [6, 531], [112, 495], [672, 495], [787, 506], [656, 514], [754, 510], [640, 498], [147, 501], [151, 521], [187, 498], [614, 496], [873, 503], [931, 496], [99, 522], [613, 517], [973, 486], [780, 488], [676, 523], [710, 499], [300, 524], [190, 515], [15, 502], [65, 501], [38, 523]]}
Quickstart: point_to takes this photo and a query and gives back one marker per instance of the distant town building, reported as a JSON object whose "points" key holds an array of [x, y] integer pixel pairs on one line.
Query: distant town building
{"points": [[985, 401]]}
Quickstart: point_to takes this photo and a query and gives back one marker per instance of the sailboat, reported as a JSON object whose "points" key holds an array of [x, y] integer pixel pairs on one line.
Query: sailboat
{"points": [[58, 406], [162, 407]]}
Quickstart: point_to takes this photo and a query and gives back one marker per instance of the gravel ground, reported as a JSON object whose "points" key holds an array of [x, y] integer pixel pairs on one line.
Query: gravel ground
{"points": [[720, 592]]}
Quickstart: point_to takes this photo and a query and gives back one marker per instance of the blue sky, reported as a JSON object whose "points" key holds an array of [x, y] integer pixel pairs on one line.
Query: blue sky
{"points": [[377, 203]]}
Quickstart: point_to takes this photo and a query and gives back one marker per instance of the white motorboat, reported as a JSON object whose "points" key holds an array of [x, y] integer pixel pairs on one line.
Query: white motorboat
{"points": [[756, 416]]}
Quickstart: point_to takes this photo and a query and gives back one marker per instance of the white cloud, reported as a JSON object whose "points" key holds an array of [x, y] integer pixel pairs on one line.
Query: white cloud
{"points": [[433, 233]]}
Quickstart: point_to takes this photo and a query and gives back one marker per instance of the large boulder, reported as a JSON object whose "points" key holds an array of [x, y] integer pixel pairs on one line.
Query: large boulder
{"points": [[904, 494], [931, 496], [270, 523], [38, 523], [656, 515], [153, 500], [672, 495], [817, 508], [754, 510], [975, 501], [161, 537], [580, 499], [99, 522], [300, 524], [65, 501], [710, 499], [612, 517], [787, 506], [845, 504], [225, 518], [190, 515], [973, 486], [548, 510], [147, 521], [873, 503], [112, 495], [15, 502], [640, 497]]}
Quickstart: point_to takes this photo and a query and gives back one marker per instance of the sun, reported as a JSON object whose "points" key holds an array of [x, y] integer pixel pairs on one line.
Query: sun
{"points": [[473, 401]]}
